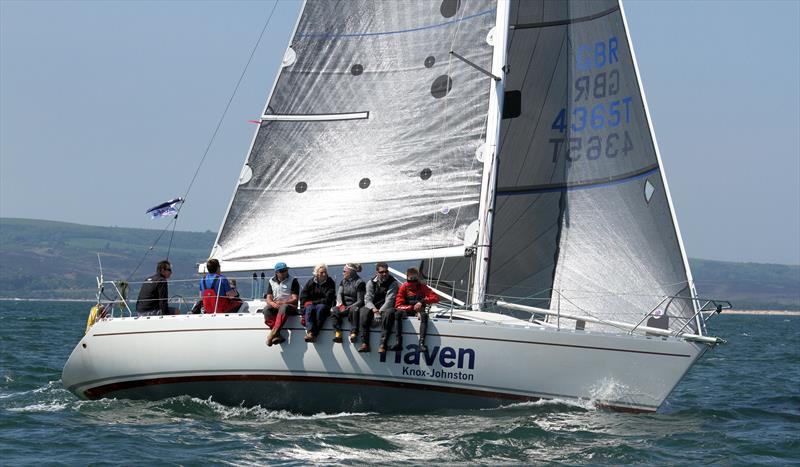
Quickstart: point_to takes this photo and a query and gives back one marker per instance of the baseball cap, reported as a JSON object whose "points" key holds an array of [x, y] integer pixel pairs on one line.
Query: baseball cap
{"points": [[280, 265]]}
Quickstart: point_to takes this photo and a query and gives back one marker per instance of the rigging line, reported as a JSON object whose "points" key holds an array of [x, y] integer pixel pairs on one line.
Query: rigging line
{"points": [[562, 222], [172, 235], [444, 127], [550, 87], [227, 106], [498, 189], [588, 313], [147, 252]]}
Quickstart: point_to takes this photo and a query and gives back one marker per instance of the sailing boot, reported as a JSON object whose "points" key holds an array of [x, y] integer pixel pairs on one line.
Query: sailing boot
{"points": [[309, 337], [278, 339], [422, 347], [337, 337], [353, 336], [271, 336], [365, 348], [382, 347], [398, 346]]}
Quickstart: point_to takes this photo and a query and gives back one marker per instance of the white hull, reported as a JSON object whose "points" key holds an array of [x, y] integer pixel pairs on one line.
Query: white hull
{"points": [[469, 364]]}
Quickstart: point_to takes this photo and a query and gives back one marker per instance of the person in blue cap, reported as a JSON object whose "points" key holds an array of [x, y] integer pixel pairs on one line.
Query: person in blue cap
{"points": [[282, 294]]}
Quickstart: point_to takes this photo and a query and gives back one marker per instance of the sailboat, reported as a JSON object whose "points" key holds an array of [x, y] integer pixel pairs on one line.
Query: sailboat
{"points": [[503, 146]]}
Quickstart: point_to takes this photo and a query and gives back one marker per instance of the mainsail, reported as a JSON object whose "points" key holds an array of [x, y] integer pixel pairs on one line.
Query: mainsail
{"points": [[583, 221], [369, 147]]}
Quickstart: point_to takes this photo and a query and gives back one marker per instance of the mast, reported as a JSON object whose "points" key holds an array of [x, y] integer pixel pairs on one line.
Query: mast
{"points": [[489, 179]]}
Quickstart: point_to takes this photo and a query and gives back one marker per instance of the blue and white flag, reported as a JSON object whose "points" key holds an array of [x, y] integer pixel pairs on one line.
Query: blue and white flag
{"points": [[165, 209]]}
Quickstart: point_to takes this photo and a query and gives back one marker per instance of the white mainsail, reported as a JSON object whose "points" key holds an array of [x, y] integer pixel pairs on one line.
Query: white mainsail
{"points": [[368, 146]]}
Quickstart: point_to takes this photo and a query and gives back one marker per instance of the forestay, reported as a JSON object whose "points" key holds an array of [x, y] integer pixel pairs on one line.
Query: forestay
{"points": [[583, 220], [368, 146]]}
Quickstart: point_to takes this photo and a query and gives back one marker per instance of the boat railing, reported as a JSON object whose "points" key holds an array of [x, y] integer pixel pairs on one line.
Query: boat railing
{"points": [[122, 296], [714, 306], [120, 300], [706, 308]]}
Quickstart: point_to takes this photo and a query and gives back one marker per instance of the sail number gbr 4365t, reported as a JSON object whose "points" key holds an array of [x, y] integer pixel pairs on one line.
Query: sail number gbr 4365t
{"points": [[598, 117]]}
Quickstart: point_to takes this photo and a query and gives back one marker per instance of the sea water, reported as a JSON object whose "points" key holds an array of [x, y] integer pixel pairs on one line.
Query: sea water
{"points": [[739, 405]]}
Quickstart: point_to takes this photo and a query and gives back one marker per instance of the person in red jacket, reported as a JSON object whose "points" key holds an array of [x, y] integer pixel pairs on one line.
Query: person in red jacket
{"points": [[415, 297]]}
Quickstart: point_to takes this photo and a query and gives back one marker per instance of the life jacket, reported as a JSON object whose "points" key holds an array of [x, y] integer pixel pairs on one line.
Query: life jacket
{"points": [[348, 290], [281, 290], [380, 290], [212, 303], [412, 293]]}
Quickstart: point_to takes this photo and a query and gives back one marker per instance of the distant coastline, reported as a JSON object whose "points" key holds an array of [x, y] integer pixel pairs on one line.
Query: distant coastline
{"points": [[59, 260], [762, 312]]}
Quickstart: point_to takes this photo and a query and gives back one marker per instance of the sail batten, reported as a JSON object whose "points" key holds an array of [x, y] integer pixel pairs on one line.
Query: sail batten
{"points": [[316, 117], [581, 185]]}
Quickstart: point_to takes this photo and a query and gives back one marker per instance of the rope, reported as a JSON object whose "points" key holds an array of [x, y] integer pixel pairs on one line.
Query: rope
{"points": [[221, 119], [158, 238], [472, 164]]}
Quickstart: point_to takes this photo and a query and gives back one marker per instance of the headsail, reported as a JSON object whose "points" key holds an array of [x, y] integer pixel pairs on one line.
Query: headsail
{"points": [[583, 219], [368, 146]]}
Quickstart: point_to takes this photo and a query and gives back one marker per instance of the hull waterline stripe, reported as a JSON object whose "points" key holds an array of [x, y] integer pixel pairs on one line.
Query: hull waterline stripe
{"points": [[514, 341], [101, 391], [388, 33], [598, 183], [563, 22]]}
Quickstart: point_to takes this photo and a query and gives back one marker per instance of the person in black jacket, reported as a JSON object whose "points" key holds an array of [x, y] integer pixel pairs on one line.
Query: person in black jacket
{"points": [[154, 294], [317, 297]]}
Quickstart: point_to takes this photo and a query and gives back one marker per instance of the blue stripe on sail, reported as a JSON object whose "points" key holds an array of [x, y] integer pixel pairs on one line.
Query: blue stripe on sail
{"points": [[387, 33], [583, 186]]}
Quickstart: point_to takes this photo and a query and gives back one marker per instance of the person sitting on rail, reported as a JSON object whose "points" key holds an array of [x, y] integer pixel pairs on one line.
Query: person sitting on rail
{"points": [[349, 300], [379, 304], [154, 295], [281, 296], [317, 297], [232, 282], [414, 297], [217, 294]]}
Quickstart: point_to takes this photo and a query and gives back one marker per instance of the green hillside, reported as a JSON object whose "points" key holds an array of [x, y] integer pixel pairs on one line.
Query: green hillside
{"points": [[749, 285], [46, 259]]}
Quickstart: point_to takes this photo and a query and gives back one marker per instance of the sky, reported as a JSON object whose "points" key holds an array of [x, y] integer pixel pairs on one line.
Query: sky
{"points": [[107, 107]]}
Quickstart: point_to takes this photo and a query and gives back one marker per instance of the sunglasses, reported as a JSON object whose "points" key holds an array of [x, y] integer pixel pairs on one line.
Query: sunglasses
{"points": [[383, 272], [283, 270], [168, 269]]}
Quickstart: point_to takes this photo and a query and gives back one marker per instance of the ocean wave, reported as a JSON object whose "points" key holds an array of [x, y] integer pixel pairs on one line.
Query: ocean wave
{"points": [[555, 403], [226, 412], [407, 447], [51, 386], [52, 406]]}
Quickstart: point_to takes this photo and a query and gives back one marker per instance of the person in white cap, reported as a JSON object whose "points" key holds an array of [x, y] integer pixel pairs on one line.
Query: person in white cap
{"points": [[282, 294]]}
